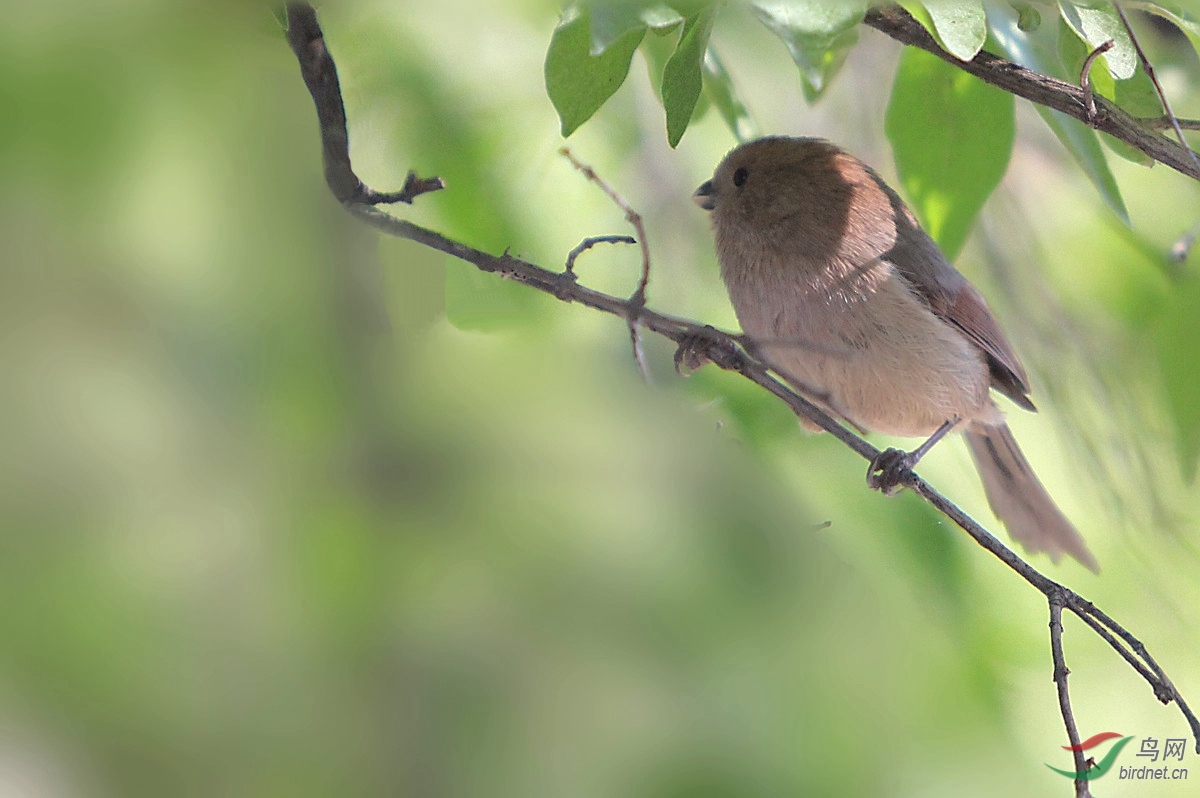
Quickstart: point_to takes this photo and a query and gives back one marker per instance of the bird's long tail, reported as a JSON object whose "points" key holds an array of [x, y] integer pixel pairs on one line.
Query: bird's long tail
{"points": [[1018, 499]]}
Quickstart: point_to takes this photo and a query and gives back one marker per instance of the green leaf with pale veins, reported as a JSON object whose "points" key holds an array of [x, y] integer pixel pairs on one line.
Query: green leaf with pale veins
{"points": [[960, 26], [1181, 19], [817, 34], [952, 135], [1038, 50], [718, 85], [683, 75], [1096, 23], [577, 81]]}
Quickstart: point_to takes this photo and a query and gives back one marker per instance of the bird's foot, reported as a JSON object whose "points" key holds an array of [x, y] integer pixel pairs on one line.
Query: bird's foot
{"points": [[705, 345], [891, 470]]}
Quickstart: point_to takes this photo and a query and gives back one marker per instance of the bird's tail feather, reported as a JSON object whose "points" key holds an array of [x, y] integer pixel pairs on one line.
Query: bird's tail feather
{"points": [[1018, 498]]}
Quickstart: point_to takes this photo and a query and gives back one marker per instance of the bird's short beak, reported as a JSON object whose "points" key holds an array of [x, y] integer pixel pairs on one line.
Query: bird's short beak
{"points": [[705, 196]]}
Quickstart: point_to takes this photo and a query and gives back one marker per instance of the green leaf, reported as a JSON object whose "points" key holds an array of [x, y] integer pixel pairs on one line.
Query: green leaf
{"points": [[718, 85], [1138, 95], [683, 76], [1039, 52], [960, 26], [1028, 17], [952, 135], [577, 81], [1084, 146], [1176, 331], [1098, 23], [1072, 52], [817, 34], [613, 19], [1181, 20]]}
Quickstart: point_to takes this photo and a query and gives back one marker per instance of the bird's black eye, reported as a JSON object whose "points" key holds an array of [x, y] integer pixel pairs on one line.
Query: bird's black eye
{"points": [[739, 177]]}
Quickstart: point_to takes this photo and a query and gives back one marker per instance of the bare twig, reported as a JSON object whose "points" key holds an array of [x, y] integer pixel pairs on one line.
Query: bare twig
{"points": [[1042, 89], [1085, 79], [1164, 122], [1064, 697], [588, 243], [1162, 95], [307, 41], [722, 349], [638, 300]]}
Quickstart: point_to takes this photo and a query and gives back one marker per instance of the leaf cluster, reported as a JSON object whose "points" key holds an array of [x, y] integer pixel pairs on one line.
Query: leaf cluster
{"points": [[952, 135]]}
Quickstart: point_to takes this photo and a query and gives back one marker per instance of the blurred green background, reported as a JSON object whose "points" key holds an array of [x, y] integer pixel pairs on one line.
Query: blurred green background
{"points": [[272, 525]]}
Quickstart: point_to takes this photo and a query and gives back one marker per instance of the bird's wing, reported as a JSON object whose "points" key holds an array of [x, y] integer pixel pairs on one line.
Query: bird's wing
{"points": [[967, 311], [954, 300]]}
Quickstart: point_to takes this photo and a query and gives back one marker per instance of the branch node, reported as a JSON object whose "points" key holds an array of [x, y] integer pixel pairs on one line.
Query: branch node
{"points": [[564, 284], [1162, 94], [704, 345], [414, 187], [890, 471]]}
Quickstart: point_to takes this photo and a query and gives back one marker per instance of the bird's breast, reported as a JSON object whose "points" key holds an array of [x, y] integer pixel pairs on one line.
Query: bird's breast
{"points": [[860, 340]]}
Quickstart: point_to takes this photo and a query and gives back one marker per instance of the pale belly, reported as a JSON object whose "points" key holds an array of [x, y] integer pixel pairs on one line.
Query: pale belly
{"points": [[879, 358]]}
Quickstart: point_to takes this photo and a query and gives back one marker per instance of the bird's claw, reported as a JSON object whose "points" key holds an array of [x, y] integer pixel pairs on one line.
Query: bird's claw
{"points": [[890, 470]]}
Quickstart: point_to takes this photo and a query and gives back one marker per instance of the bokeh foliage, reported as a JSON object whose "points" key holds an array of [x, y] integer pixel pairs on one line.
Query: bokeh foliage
{"points": [[291, 510]]}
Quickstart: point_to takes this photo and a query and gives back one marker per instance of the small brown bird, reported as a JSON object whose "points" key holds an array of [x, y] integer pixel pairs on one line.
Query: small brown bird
{"points": [[846, 297]]}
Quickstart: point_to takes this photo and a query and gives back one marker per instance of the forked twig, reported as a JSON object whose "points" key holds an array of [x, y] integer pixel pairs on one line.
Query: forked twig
{"points": [[1041, 89], [1064, 698], [1162, 95], [638, 299]]}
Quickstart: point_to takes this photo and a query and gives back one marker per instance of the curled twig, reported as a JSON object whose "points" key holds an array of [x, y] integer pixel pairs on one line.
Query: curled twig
{"points": [[638, 300], [590, 242], [1085, 79]]}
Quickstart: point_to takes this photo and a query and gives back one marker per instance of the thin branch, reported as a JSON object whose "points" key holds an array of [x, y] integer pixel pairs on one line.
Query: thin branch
{"points": [[1064, 698], [1042, 89], [631, 216], [1162, 95], [722, 349], [638, 300], [1164, 122], [307, 41]]}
